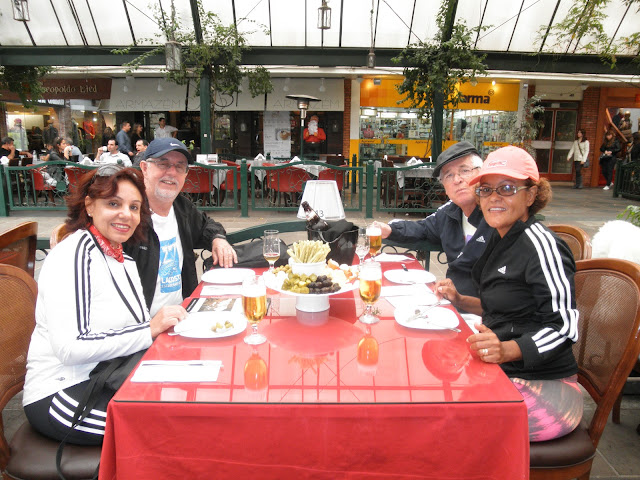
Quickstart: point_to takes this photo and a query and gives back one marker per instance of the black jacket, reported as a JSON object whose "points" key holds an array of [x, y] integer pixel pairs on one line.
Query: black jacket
{"points": [[526, 285], [614, 148], [445, 226], [196, 230]]}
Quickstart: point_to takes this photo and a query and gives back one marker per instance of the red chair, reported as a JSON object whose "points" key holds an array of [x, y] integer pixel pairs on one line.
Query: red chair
{"points": [[40, 185], [231, 181], [198, 184], [288, 181], [337, 175]]}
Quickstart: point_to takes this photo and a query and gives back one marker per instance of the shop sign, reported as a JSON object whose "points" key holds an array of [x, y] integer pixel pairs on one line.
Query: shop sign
{"points": [[67, 89]]}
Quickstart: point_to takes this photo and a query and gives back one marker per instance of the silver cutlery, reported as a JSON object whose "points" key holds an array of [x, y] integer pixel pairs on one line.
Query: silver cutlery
{"points": [[422, 315]]}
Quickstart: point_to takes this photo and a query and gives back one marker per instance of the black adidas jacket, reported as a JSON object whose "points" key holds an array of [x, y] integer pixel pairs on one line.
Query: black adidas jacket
{"points": [[445, 226], [526, 286]]}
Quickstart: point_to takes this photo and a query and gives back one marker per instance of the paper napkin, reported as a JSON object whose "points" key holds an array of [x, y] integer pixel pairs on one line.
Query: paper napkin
{"points": [[392, 257], [183, 371]]}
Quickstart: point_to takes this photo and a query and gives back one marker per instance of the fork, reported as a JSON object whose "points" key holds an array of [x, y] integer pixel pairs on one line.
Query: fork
{"points": [[421, 314]]}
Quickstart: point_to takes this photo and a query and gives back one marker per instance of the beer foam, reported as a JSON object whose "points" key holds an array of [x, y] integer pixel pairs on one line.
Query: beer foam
{"points": [[254, 291], [374, 231], [370, 274]]}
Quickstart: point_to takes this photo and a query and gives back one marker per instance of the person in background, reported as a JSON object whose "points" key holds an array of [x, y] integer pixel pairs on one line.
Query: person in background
{"points": [[141, 147], [19, 135], [525, 279], [609, 148], [635, 149], [580, 153], [112, 155], [617, 118], [368, 132], [124, 141], [163, 130], [136, 134], [165, 258], [71, 152], [50, 133], [314, 135], [8, 149], [92, 312], [458, 224], [107, 134]]}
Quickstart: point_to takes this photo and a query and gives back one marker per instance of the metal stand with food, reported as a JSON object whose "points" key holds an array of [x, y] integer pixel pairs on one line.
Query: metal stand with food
{"points": [[310, 278]]}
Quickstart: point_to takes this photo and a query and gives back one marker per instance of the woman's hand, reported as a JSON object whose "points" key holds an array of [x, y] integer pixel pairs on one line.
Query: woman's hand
{"points": [[166, 318], [490, 349], [447, 290]]}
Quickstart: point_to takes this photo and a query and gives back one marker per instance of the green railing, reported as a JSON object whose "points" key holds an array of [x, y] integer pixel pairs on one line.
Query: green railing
{"points": [[233, 185], [627, 183]]}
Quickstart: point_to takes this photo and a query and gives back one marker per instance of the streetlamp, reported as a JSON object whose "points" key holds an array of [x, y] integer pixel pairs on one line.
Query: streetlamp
{"points": [[303, 106], [20, 10], [324, 16]]}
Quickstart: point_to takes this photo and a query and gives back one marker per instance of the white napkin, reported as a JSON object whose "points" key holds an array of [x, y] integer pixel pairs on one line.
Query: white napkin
{"points": [[413, 161], [218, 290], [260, 157], [183, 371], [4, 160], [471, 319], [392, 257], [294, 159], [405, 290]]}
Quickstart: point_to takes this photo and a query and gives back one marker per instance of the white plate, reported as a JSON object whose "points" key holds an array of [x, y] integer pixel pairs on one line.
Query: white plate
{"points": [[226, 276], [199, 326], [409, 277], [438, 318], [275, 283]]}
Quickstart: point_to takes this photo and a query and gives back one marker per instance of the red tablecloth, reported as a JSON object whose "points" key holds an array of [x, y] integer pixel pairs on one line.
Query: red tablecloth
{"points": [[425, 409]]}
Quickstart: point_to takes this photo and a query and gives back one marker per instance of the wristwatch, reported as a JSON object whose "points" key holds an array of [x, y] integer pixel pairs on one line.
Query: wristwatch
{"points": [[220, 236]]}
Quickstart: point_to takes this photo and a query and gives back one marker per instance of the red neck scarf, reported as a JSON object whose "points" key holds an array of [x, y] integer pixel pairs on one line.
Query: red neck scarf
{"points": [[105, 245]]}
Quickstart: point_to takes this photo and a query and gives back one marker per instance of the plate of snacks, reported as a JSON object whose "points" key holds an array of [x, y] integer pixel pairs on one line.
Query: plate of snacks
{"points": [[215, 325]]}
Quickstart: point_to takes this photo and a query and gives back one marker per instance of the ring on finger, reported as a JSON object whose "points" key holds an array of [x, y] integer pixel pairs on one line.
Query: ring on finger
{"points": [[484, 352]]}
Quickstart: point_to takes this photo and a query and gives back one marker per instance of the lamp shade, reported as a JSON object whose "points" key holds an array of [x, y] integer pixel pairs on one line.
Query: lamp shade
{"points": [[324, 198]]}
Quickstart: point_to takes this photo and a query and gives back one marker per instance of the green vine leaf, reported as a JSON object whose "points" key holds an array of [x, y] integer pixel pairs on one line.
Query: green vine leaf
{"points": [[25, 81]]}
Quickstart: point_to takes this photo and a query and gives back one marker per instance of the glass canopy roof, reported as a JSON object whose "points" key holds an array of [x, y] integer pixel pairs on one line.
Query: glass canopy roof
{"points": [[515, 26]]}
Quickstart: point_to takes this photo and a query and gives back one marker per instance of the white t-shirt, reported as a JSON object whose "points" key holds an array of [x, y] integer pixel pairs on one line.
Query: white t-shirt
{"points": [[165, 132], [169, 282], [468, 229]]}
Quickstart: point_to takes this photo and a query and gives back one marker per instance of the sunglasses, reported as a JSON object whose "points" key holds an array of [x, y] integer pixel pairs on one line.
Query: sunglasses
{"points": [[502, 190]]}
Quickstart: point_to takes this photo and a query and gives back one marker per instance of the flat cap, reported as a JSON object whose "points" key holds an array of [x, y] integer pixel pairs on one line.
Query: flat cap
{"points": [[454, 152]]}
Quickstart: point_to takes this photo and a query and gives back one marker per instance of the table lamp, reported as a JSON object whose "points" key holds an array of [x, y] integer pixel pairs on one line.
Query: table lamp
{"points": [[324, 198]]}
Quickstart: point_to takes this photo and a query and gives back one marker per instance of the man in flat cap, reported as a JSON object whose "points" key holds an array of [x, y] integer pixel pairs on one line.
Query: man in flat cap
{"points": [[458, 224]]}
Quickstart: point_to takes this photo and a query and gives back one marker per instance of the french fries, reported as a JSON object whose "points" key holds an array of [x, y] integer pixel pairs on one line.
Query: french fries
{"points": [[309, 251]]}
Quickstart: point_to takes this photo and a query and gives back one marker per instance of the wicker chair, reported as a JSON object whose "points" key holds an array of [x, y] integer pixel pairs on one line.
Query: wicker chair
{"points": [[18, 246], [577, 239], [29, 454], [608, 298]]}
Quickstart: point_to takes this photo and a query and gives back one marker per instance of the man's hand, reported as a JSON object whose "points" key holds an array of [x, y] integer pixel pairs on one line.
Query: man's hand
{"points": [[385, 229], [223, 253], [167, 317]]}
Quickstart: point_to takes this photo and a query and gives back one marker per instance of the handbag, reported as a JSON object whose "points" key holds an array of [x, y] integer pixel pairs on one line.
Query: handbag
{"points": [[104, 380]]}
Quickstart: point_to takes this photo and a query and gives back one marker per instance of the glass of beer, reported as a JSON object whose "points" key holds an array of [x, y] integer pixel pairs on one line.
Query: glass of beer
{"points": [[254, 304], [370, 286], [375, 239], [271, 247]]}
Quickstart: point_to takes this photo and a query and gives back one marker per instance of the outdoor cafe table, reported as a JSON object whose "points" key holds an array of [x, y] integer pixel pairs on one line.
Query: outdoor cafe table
{"points": [[426, 409]]}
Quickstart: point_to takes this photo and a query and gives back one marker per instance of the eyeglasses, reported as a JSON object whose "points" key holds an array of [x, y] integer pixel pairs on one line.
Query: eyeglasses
{"points": [[165, 165], [502, 190], [464, 173]]}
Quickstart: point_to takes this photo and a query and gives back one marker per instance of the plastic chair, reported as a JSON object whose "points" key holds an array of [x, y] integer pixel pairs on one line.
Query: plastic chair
{"points": [[337, 175], [608, 298], [577, 239], [29, 454], [231, 182], [18, 247], [74, 174], [198, 183], [39, 185], [288, 181]]}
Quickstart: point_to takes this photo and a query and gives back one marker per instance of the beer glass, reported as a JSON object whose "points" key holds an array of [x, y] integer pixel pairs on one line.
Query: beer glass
{"points": [[370, 286], [254, 304], [271, 247], [375, 239], [362, 245]]}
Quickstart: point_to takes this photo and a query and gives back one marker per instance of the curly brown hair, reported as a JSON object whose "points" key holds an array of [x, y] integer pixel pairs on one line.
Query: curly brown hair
{"points": [[96, 185], [543, 197]]}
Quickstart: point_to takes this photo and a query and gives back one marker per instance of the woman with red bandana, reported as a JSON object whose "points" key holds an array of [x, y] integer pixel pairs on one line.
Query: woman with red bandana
{"points": [[90, 305]]}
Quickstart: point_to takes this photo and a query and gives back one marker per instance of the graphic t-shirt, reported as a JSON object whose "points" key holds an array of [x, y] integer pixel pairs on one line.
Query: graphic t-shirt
{"points": [[468, 229], [169, 282]]}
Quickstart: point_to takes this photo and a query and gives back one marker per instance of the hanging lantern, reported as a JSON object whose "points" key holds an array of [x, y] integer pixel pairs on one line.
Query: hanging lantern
{"points": [[20, 10], [324, 16], [173, 55]]}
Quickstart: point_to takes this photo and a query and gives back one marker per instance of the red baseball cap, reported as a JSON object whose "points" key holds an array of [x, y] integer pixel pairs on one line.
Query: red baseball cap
{"points": [[512, 162]]}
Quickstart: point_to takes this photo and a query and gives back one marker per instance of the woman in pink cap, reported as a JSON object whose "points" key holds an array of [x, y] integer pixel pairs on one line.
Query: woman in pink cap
{"points": [[527, 294]]}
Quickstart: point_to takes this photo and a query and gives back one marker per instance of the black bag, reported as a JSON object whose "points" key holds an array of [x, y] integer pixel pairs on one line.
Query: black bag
{"points": [[250, 256], [604, 158], [342, 237], [104, 381]]}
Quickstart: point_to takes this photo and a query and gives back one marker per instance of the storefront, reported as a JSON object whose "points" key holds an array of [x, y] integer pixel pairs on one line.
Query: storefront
{"points": [[388, 127], [69, 108]]}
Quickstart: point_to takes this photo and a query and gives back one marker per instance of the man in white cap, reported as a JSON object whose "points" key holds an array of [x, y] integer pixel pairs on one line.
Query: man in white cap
{"points": [[165, 260]]}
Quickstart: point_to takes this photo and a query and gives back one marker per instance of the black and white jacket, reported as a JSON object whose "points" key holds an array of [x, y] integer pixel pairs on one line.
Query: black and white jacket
{"points": [[526, 285], [81, 319]]}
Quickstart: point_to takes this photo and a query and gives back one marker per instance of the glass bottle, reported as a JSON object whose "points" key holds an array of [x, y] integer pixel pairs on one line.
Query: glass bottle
{"points": [[314, 222]]}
